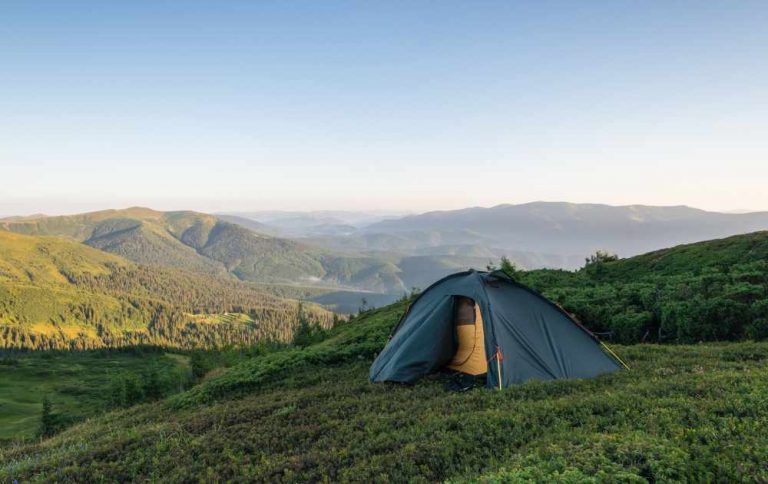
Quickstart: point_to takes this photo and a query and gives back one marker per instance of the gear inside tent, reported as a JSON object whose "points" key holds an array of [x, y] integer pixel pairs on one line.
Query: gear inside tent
{"points": [[470, 352]]}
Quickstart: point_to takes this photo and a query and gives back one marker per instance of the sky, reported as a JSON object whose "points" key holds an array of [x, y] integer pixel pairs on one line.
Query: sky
{"points": [[393, 105]]}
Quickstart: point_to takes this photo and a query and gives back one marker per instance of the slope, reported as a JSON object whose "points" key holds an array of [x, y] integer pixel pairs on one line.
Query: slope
{"points": [[693, 258], [708, 291], [685, 413], [185, 240], [57, 293]]}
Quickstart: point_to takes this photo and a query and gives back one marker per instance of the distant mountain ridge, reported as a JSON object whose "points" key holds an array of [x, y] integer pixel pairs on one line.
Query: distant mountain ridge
{"points": [[575, 230]]}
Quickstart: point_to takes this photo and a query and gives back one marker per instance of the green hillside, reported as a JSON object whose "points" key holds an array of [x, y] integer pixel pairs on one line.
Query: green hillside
{"points": [[683, 413], [720, 254], [708, 291], [185, 240], [149, 244], [57, 293]]}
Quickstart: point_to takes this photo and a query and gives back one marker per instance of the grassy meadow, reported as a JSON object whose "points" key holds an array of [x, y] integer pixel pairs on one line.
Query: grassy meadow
{"points": [[78, 384], [683, 413]]}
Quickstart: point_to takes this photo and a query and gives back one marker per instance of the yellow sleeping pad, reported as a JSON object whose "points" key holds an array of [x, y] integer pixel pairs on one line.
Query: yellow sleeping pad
{"points": [[470, 356]]}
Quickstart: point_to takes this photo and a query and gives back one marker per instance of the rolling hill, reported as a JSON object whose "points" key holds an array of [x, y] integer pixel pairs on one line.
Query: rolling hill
{"points": [[238, 248], [298, 224], [57, 293], [184, 240], [720, 254]]}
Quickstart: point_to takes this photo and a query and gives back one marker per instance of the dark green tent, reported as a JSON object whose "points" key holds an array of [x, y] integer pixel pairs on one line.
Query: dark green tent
{"points": [[521, 335]]}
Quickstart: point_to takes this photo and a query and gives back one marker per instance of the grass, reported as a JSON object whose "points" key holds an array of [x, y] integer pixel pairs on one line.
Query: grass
{"points": [[224, 318], [76, 383], [683, 413]]}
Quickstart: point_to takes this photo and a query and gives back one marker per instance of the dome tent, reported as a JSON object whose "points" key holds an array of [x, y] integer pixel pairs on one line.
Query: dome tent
{"points": [[524, 336]]}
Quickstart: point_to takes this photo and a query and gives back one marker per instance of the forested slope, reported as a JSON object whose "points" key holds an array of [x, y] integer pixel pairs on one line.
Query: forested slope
{"points": [[56, 293], [184, 240]]}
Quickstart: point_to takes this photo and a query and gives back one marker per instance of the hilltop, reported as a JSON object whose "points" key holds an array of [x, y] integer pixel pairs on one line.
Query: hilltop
{"points": [[720, 254], [708, 291], [58, 293]]}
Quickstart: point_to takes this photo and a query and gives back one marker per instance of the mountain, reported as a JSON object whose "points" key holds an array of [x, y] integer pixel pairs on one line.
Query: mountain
{"points": [[139, 234], [236, 247], [384, 258], [566, 230], [57, 293], [185, 240]]}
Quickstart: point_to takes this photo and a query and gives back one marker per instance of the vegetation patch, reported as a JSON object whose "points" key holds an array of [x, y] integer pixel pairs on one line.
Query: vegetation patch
{"points": [[82, 384]]}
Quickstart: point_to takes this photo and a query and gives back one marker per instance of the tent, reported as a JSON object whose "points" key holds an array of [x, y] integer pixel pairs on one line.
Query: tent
{"points": [[480, 322]]}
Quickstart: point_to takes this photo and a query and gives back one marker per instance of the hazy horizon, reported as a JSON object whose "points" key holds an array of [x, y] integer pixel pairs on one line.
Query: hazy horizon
{"points": [[399, 106], [86, 208]]}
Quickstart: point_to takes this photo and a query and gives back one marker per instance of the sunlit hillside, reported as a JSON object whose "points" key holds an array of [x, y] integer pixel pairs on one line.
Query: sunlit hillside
{"points": [[57, 293]]}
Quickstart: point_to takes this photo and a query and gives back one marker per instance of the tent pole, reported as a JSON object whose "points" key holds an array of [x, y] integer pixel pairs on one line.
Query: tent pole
{"points": [[498, 364]]}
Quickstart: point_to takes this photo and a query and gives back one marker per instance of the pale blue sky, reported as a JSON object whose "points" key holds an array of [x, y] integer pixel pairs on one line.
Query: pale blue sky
{"points": [[414, 105]]}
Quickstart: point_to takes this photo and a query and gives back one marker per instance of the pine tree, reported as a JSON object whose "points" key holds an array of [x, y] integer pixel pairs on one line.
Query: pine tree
{"points": [[47, 420], [509, 268]]}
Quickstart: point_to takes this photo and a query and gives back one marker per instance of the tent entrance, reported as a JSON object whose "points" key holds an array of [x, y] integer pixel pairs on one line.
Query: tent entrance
{"points": [[468, 323]]}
